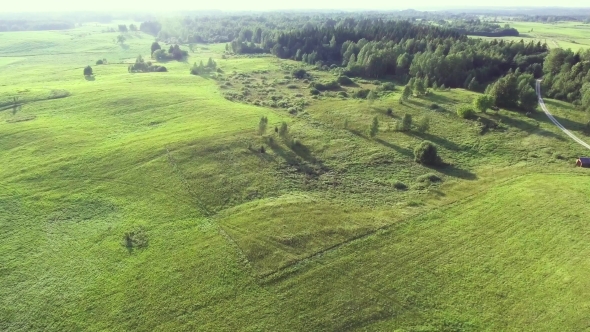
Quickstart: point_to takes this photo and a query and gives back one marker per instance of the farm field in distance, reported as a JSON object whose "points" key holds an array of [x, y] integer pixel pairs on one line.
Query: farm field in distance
{"points": [[574, 35], [327, 229]]}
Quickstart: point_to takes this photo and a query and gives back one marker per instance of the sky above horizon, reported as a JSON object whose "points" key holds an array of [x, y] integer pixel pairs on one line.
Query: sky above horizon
{"points": [[258, 5]]}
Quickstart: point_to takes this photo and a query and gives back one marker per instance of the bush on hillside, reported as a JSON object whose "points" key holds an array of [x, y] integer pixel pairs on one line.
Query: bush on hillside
{"points": [[388, 86], [314, 91], [344, 80], [465, 111], [324, 86], [140, 66], [361, 94], [427, 154], [299, 73], [430, 177], [400, 185]]}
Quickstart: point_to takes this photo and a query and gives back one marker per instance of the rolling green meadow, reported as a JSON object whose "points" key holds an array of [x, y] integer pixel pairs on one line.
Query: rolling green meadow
{"points": [[563, 34], [321, 237]]}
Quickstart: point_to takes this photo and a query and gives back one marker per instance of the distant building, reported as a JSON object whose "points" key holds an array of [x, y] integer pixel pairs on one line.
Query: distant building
{"points": [[583, 162]]}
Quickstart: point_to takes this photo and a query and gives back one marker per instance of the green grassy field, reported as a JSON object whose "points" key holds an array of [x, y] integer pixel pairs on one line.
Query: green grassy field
{"points": [[303, 239], [574, 35]]}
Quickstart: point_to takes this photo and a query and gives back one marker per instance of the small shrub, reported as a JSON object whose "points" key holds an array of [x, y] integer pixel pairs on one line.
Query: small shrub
{"points": [[332, 85], [314, 91], [433, 106], [376, 82], [465, 111], [344, 80], [291, 86], [427, 154], [136, 238], [342, 94], [388, 86], [262, 149], [400, 185], [430, 177], [389, 112], [99, 62], [361, 94], [299, 73], [423, 124]]}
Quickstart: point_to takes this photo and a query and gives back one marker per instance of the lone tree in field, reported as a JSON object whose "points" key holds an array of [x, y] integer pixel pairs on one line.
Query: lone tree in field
{"points": [[427, 154], [121, 39], [88, 71], [262, 125], [374, 129]]}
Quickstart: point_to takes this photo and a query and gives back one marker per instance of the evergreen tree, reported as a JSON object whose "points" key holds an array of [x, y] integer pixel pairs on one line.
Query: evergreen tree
{"points": [[374, 129], [419, 89], [262, 124], [155, 47], [406, 93]]}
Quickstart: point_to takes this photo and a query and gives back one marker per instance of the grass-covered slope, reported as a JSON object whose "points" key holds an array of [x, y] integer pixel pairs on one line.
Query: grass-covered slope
{"points": [[313, 236]]}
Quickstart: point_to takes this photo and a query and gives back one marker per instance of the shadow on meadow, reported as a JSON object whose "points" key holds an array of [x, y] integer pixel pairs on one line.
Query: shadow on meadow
{"points": [[526, 126], [404, 151]]}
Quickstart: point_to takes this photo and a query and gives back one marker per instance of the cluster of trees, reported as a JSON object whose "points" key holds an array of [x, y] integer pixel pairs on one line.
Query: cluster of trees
{"points": [[477, 27], [174, 52], [202, 69], [123, 28], [141, 66], [567, 76]]}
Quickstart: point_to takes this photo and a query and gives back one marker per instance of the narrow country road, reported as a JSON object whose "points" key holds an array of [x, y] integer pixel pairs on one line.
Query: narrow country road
{"points": [[550, 116]]}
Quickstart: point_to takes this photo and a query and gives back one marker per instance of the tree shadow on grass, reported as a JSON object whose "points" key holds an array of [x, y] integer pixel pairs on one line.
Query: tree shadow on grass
{"points": [[310, 165], [261, 156], [528, 127], [406, 152], [89, 78], [439, 99], [451, 170], [441, 141]]}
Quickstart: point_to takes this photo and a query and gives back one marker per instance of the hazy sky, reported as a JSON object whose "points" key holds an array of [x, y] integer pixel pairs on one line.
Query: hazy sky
{"points": [[70, 5]]}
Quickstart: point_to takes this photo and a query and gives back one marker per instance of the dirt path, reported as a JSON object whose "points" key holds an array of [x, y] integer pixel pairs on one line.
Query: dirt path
{"points": [[550, 116]]}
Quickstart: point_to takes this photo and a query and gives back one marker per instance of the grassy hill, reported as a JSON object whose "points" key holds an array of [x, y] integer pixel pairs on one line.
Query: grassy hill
{"points": [[312, 236]]}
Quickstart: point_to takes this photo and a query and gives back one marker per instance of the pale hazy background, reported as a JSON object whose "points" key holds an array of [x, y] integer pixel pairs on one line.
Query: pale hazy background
{"points": [[257, 5]]}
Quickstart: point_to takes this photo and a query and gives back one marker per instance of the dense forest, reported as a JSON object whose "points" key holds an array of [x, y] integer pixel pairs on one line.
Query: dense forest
{"points": [[567, 76], [377, 48]]}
